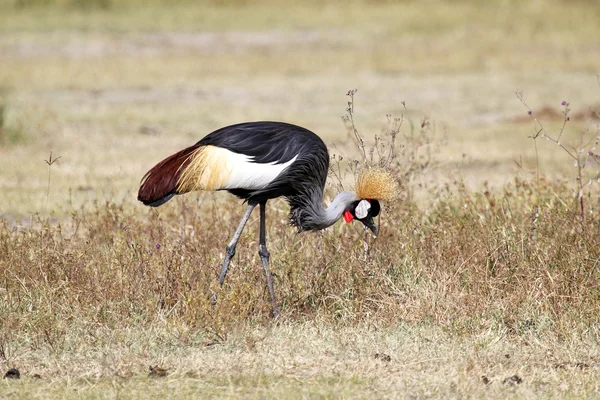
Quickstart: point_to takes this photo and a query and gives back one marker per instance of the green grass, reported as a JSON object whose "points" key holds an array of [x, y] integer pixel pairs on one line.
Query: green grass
{"points": [[11, 128]]}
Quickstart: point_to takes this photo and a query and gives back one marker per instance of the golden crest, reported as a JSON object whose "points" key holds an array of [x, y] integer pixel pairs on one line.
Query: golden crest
{"points": [[376, 183]]}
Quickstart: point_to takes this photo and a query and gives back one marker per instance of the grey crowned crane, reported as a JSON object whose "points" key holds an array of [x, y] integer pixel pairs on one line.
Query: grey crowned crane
{"points": [[259, 161]]}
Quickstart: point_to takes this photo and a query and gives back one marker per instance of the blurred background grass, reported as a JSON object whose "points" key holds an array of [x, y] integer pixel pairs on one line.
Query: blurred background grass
{"points": [[114, 86]]}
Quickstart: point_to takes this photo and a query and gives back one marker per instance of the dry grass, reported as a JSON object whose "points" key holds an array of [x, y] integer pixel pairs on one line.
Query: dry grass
{"points": [[311, 360], [473, 278], [481, 269]]}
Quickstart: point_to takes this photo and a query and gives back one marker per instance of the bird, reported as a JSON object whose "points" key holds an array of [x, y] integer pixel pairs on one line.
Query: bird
{"points": [[260, 161]]}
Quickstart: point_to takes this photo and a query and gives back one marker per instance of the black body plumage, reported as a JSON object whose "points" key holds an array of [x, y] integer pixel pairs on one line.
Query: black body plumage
{"points": [[278, 142]]}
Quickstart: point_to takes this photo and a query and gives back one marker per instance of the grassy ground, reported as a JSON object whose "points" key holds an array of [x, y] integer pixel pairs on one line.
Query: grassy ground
{"points": [[310, 360], [453, 301], [481, 270]]}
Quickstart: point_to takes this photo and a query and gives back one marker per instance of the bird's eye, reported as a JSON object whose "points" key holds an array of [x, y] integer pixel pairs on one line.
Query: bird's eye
{"points": [[375, 208]]}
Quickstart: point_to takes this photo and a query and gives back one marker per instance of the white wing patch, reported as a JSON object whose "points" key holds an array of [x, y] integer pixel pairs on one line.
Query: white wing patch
{"points": [[244, 173], [214, 168], [362, 209]]}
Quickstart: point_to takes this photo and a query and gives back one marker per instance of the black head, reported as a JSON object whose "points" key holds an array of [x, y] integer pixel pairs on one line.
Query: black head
{"points": [[364, 210]]}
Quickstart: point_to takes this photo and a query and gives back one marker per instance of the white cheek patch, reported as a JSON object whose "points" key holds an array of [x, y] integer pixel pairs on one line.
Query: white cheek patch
{"points": [[362, 209]]}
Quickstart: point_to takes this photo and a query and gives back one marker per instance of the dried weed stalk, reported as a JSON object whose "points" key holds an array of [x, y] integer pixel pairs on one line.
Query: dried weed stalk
{"points": [[582, 153], [402, 154]]}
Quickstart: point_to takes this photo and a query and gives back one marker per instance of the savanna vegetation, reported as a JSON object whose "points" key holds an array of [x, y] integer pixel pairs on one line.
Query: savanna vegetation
{"points": [[483, 282]]}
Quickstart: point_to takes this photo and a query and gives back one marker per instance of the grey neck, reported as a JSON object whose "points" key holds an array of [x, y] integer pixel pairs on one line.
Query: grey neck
{"points": [[313, 216], [340, 203]]}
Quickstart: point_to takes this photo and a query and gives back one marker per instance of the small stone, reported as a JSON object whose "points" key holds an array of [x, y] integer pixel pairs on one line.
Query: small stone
{"points": [[512, 380], [157, 371], [581, 365], [12, 373], [383, 357]]}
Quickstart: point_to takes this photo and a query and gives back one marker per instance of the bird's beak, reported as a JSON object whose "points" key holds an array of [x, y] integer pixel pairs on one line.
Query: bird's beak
{"points": [[369, 223]]}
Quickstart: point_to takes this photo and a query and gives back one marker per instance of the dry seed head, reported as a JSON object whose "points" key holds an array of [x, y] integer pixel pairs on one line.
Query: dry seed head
{"points": [[376, 183]]}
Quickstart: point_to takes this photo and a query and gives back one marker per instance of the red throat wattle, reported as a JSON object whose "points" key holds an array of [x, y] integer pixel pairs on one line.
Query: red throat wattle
{"points": [[348, 216]]}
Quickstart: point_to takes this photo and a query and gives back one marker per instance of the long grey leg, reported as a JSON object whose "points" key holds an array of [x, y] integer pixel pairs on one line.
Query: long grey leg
{"points": [[230, 250], [264, 256]]}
